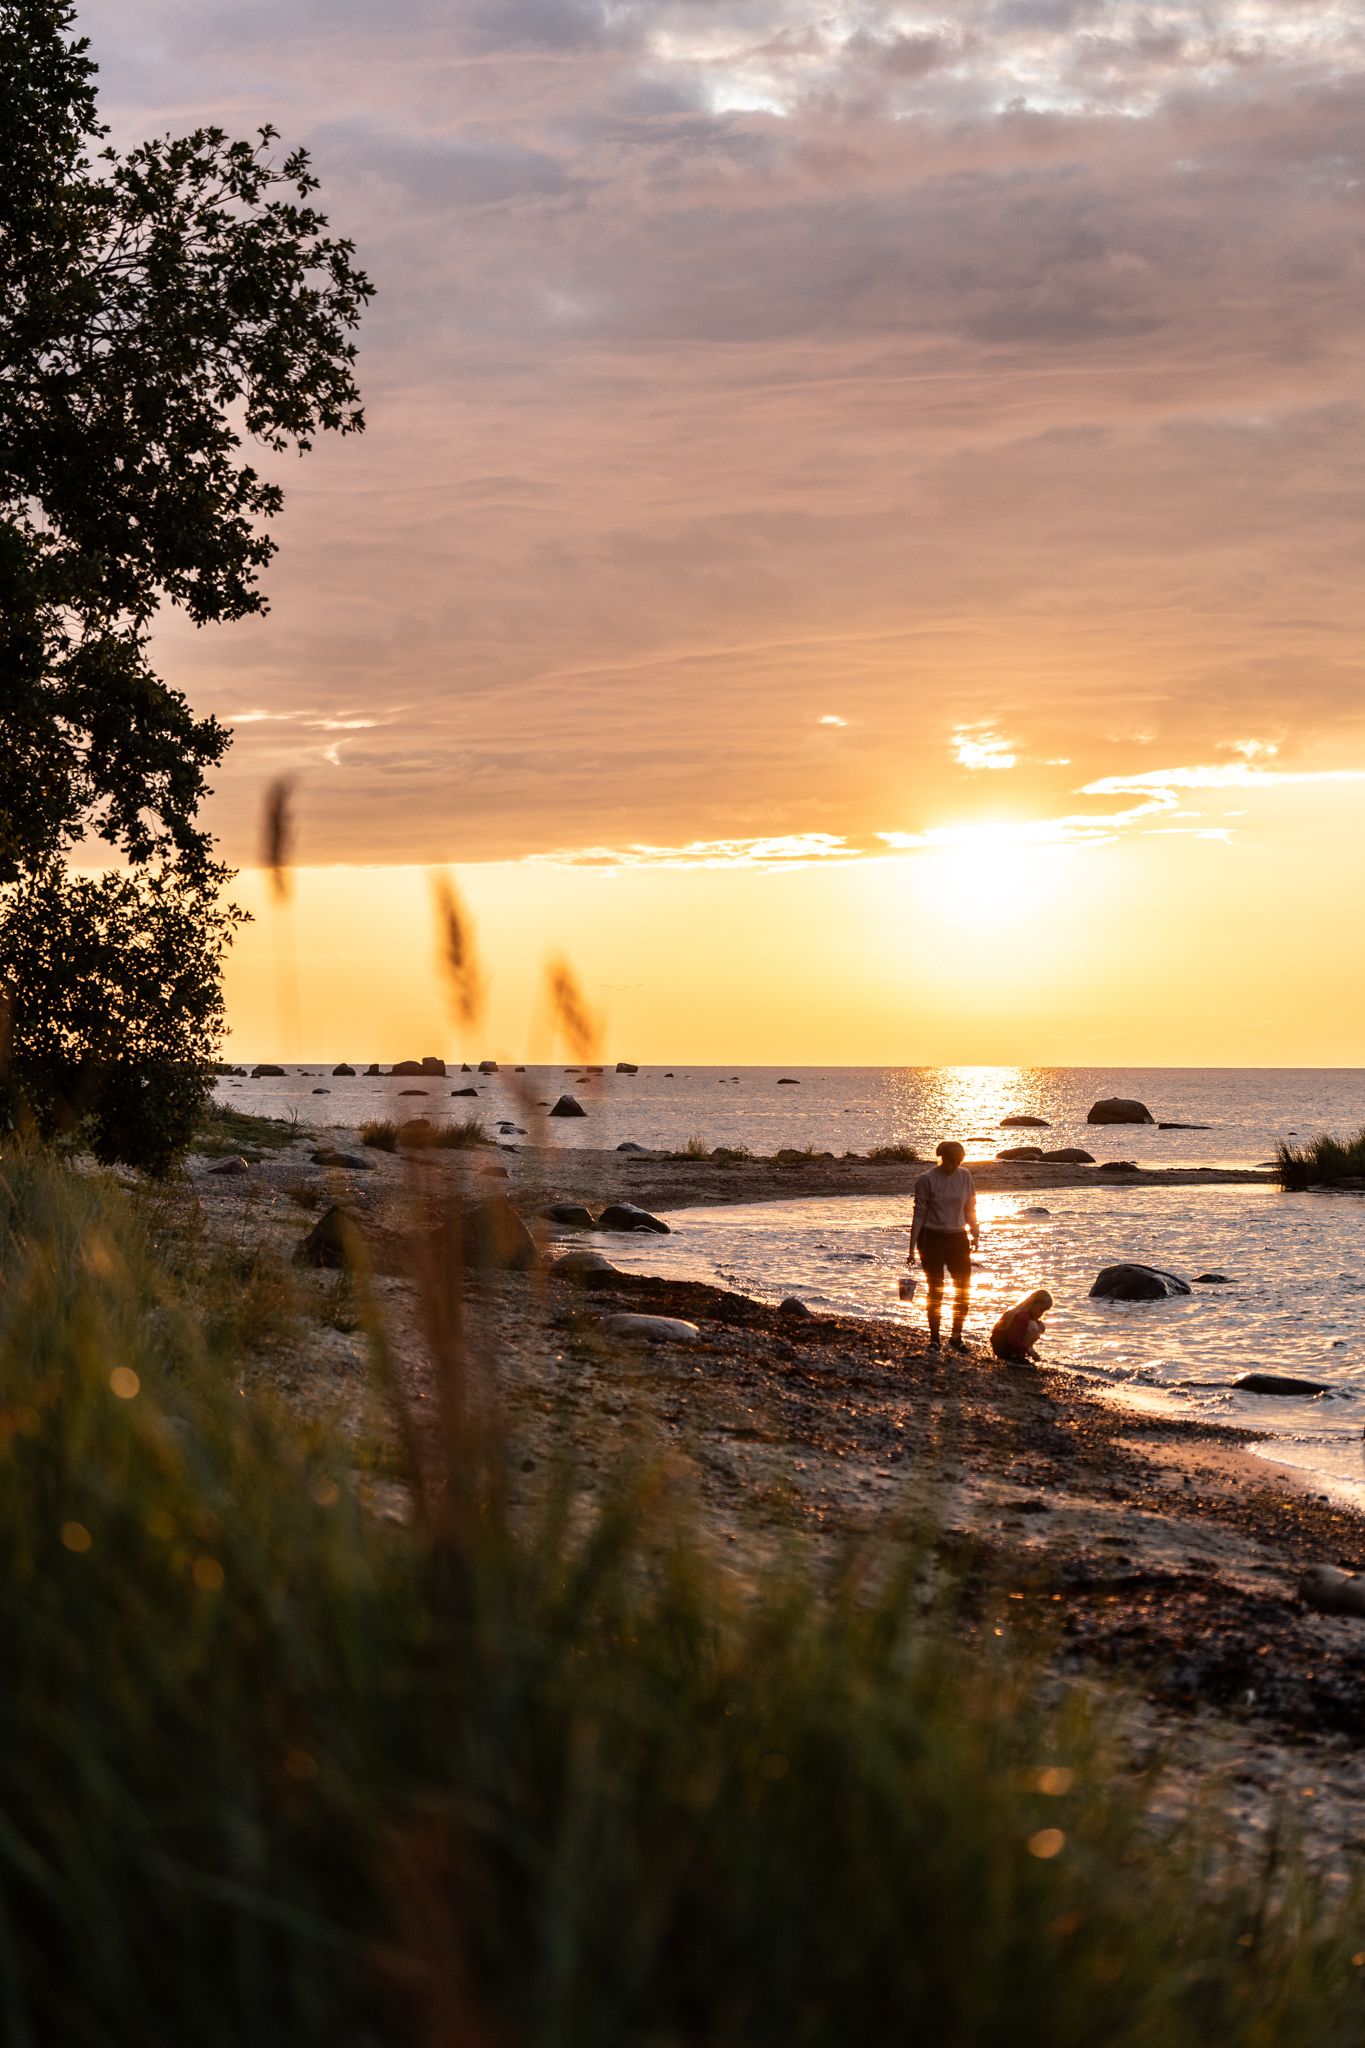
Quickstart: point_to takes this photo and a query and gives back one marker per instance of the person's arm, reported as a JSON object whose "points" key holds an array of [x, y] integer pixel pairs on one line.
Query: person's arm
{"points": [[916, 1221], [969, 1211]]}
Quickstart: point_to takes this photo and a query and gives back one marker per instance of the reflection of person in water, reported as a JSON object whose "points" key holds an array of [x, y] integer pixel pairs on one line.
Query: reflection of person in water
{"points": [[944, 1232], [1019, 1329]]}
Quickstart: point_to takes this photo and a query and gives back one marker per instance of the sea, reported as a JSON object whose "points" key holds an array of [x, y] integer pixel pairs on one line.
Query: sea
{"points": [[1292, 1297]]}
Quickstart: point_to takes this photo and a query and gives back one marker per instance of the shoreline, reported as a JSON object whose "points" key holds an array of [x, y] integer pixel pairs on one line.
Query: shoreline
{"points": [[1156, 1548]]}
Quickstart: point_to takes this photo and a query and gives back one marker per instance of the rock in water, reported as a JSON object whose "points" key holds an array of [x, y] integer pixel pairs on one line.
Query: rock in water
{"points": [[1119, 1166], [1035, 1212], [1070, 1155], [322, 1091], [330, 1241], [1031, 1153], [788, 1081], [793, 1306], [1129, 1282], [629, 1145], [488, 1066], [626, 1067], [406, 1067], [568, 1105], [652, 1329], [569, 1216], [1278, 1383], [627, 1216], [1184, 1127], [431, 1065], [462, 1091], [1212, 1280], [372, 1070], [267, 1073], [1024, 1123], [1120, 1109], [343, 1071]]}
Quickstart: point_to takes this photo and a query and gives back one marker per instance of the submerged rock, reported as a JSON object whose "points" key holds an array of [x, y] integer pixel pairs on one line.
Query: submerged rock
{"points": [[1279, 1383], [1212, 1280], [1184, 1127], [1024, 1123], [1131, 1282], [1120, 1109], [628, 1216], [1119, 1166]]}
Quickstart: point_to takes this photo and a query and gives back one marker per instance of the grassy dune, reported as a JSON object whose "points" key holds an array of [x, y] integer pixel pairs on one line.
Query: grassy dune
{"points": [[274, 1771]]}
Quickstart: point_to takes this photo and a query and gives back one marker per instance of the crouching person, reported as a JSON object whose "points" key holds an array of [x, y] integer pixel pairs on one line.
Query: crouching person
{"points": [[1016, 1335]]}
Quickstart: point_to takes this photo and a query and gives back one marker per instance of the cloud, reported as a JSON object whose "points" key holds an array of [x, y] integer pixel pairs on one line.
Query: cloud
{"points": [[978, 747], [990, 370]]}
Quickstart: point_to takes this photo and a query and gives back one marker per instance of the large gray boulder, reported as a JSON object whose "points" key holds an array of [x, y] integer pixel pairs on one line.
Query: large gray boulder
{"points": [[331, 1240], [627, 1216], [488, 1236], [583, 1265], [1131, 1282], [569, 1215], [1120, 1109], [1070, 1155], [1279, 1383], [634, 1329]]}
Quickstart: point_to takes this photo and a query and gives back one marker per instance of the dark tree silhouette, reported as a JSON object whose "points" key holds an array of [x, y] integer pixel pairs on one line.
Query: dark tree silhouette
{"points": [[159, 313]]}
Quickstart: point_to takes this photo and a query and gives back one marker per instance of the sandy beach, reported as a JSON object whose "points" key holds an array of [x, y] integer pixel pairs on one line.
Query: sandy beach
{"points": [[1152, 1549]]}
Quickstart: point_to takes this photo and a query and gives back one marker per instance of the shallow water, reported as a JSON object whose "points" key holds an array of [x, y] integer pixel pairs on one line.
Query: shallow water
{"points": [[1295, 1303], [851, 1109]]}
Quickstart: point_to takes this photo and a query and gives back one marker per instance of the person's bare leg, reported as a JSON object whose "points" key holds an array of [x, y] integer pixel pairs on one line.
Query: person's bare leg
{"points": [[962, 1290], [934, 1305]]}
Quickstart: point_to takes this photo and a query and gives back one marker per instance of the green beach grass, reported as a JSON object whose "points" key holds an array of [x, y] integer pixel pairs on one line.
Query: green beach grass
{"points": [[1321, 1162], [276, 1771]]}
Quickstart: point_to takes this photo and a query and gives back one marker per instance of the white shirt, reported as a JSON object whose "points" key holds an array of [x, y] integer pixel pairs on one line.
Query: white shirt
{"points": [[945, 1201]]}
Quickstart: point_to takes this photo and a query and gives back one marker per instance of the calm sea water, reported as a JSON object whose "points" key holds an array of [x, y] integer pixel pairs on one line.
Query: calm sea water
{"points": [[851, 1109], [1296, 1302]]}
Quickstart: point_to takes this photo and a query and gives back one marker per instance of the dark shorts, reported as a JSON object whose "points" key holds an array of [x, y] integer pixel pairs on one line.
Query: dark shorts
{"points": [[943, 1251]]}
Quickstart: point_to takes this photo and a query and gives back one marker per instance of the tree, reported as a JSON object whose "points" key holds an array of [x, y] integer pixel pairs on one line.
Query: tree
{"points": [[158, 312], [112, 992]]}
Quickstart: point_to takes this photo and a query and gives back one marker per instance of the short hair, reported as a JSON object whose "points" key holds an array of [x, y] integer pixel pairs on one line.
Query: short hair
{"points": [[950, 1152]]}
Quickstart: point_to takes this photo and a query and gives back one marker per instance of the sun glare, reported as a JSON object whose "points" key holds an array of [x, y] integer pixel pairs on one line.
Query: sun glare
{"points": [[990, 875]]}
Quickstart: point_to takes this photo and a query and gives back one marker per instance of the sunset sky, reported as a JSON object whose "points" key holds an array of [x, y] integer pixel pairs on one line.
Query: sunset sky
{"points": [[858, 542]]}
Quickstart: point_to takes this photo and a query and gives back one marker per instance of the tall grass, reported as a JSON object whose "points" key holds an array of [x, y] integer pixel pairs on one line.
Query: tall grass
{"points": [[417, 1134], [1320, 1162], [274, 1772]]}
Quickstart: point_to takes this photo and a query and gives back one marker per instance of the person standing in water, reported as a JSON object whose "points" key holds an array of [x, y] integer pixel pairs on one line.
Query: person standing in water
{"points": [[944, 1232]]}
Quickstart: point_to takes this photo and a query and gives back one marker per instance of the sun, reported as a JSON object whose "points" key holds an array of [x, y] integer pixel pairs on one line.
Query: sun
{"points": [[989, 876]]}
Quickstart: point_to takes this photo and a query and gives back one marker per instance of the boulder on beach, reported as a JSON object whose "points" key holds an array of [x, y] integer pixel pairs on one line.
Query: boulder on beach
{"points": [[626, 1067], [1029, 1153], [651, 1329], [352, 1161], [628, 1216], [488, 1235], [330, 1241], [792, 1305], [1131, 1282], [568, 1105], [582, 1265], [266, 1072], [343, 1072], [230, 1166], [1279, 1383], [629, 1145], [1331, 1590], [1119, 1166], [1120, 1109], [1070, 1155], [569, 1215], [1024, 1123]]}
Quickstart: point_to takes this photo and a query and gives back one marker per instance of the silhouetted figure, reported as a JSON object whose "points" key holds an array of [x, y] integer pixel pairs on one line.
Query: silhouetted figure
{"points": [[1019, 1329], [944, 1232]]}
